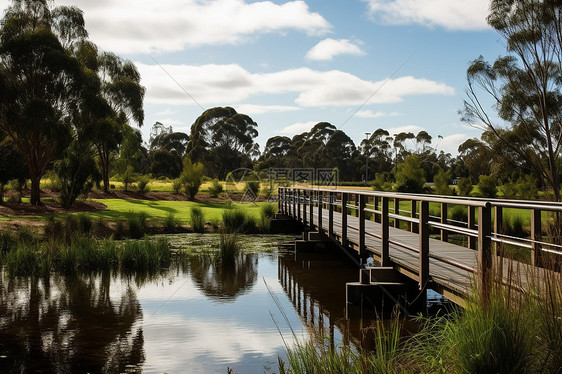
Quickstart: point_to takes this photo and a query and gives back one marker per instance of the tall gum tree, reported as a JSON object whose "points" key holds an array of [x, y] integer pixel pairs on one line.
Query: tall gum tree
{"points": [[524, 87], [43, 80]]}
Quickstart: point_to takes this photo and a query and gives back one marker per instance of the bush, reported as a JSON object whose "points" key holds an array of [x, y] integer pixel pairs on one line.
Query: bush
{"points": [[197, 219], [459, 213], [487, 186], [383, 182], [191, 177], [237, 221], [176, 186], [252, 188], [170, 223], [508, 190], [216, 188], [128, 177], [84, 223], [142, 184], [229, 249], [267, 212], [410, 177], [442, 181], [465, 186], [137, 225]]}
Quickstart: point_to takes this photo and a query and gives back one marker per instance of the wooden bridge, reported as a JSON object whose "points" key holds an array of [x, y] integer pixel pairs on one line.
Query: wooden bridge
{"points": [[420, 245]]}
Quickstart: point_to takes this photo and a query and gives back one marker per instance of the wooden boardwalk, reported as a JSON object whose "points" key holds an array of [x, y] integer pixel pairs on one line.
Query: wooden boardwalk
{"points": [[452, 270]]}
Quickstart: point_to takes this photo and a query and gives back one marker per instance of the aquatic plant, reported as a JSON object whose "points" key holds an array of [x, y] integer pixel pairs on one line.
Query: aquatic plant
{"points": [[137, 224], [197, 218], [229, 248], [238, 221]]}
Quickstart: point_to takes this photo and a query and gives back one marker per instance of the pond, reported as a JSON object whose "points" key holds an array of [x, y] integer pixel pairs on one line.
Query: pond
{"points": [[197, 316]]}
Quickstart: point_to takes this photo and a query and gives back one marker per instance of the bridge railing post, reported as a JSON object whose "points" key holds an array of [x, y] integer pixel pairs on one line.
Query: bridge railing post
{"points": [[423, 276], [361, 207], [304, 204], [471, 225], [498, 228], [413, 208], [484, 254], [344, 218], [444, 233], [397, 212], [298, 196], [294, 202], [536, 229], [385, 255], [320, 207], [331, 202], [311, 209]]}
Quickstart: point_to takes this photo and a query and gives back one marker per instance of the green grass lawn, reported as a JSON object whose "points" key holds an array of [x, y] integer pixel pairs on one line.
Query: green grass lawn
{"points": [[160, 209]]}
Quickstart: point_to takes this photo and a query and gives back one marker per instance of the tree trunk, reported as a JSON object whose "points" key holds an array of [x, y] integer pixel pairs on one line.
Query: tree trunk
{"points": [[35, 189]]}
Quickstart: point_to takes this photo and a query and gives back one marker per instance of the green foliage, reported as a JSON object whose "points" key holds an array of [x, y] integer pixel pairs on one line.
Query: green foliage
{"points": [[465, 186], [76, 172], [170, 223], [229, 249], [410, 177], [191, 176], [252, 188], [176, 186], [238, 221], [128, 176], [142, 184], [442, 181], [137, 224], [216, 188], [267, 212], [383, 182], [197, 219], [84, 223], [145, 255], [487, 186], [458, 213]]}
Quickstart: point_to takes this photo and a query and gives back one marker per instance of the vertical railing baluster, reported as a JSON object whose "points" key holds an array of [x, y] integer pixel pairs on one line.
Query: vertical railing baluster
{"points": [[536, 231], [320, 207], [299, 209], [424, 244], [311, 206], [471, 225], [397, 212], [444, 233], [304, 205], [385, 253], [331, 202], [498, 228], [484, 254], [361, 207], [413, 209], [344, 218]]}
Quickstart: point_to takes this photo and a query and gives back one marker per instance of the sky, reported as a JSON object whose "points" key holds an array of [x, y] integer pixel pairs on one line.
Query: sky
{"points": [[360, 65]]}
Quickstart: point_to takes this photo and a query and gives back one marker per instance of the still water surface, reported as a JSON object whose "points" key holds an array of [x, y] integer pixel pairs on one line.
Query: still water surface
{"points": [[198, 317]]}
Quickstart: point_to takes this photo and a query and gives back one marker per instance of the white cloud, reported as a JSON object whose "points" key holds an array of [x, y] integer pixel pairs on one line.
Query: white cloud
{"points": [[327, 49], [411, 128], [371, 114], [261, 109], [450, 14], [450, 144], [297, 128], [229, 84], [134, 26], [165, 112]]}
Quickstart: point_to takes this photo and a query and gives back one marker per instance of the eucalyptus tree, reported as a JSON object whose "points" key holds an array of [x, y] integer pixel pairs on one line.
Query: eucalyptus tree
{"points": [[223, 140], [378, 150], [11, 165], [44, 81], [124, 95], [525, 86]]}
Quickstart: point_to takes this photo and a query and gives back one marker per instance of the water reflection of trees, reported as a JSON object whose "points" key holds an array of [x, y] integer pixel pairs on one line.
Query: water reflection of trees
{"points": [[68, 324], [224, 281]]}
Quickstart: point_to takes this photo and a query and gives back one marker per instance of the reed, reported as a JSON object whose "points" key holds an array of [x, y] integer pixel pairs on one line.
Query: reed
{"points": [[137, 224], [197, 218], [238, 221], [170, 223], [144, 255], [267, 212], [229, 248]]}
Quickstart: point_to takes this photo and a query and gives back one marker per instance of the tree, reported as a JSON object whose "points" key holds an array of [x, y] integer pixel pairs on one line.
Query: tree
{"points": [[379, 151], [223, 140], [11, 165], [465, 186], [410, 177], [43, 79], [487, 186], [123, 95], [525, 86], [442, 181]]}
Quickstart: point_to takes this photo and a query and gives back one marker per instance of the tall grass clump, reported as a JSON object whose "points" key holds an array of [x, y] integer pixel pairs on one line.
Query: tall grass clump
{"points": [[144, 255], [85, 223], [23, 260], [320, 356], [513, 226], [137, 224], [229, 248], [7, 242], [238, 221], [197, 218], [267, 212], [170, 223], [216, 188]]}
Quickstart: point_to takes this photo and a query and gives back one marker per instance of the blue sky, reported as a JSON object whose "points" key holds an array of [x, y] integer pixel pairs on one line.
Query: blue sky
{"points": [[358, 64]]}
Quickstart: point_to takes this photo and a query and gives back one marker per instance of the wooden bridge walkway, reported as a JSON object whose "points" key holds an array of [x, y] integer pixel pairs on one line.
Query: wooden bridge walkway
{"points": [[453, 270]]}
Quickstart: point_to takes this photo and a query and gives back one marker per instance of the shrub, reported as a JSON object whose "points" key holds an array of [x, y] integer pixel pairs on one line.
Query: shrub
{"points": [[252, 189], [508, 190], [128, 177], [487, 186], [410, 177], [465, 186], [442, 181], [229, 249], [383, 182], [237, 221], [216, 188], [137, 225], [527, 188], [267, 212], [197, 218], [176, 186], [191, 177], [142, 184], [84, 223], [170, 223], [459, 213]]}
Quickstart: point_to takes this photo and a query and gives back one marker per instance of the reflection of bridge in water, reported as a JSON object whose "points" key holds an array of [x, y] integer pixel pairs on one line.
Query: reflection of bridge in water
{"points": [[315, 283]]}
